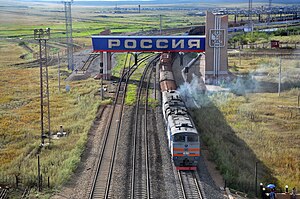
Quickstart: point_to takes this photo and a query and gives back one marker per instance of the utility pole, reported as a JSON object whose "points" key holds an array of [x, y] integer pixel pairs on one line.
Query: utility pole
{"points": [[42, 36], [256, 179], [270, 11], [160, 24], [240, 60], [155, 78], [69, 32], [279, 81], [39, 174], [58, 72], [250, 16]]}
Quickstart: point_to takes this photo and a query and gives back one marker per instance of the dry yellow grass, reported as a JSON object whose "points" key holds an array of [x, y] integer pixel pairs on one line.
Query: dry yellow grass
{"points": [[20, 121], [272, 132], [84, 41], [10, 53]]}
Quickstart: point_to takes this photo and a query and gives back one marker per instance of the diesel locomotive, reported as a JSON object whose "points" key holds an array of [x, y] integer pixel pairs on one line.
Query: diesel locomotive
{"points": [[183, 138]]}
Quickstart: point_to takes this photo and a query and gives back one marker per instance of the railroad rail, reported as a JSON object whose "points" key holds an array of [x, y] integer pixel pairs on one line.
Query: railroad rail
{"points": [[100, 187], [140, 178], [189, 184], [3, 193], [26, 193], [102, 179]]}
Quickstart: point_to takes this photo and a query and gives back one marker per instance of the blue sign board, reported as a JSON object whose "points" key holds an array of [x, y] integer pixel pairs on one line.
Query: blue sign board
{"points": [[148, 43]]}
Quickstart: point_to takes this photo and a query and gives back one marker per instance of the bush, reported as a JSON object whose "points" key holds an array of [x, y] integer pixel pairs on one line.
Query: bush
{"points": [[247, 38], [21, 43]]}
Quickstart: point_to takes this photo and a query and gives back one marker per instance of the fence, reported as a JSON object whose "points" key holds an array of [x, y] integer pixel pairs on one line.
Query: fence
{"points": [[22, 182]]}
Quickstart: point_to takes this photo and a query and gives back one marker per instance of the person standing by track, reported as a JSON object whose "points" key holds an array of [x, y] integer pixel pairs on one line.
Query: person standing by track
{"points": [[272, 194], [294, 194]]}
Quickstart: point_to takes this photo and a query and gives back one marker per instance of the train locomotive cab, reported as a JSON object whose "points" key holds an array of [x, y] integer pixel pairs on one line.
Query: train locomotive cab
{"points": [[185, 150], [185, 145]]}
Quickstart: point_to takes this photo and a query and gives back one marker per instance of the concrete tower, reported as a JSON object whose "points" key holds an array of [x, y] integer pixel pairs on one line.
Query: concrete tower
{"points": [[216, 59]]}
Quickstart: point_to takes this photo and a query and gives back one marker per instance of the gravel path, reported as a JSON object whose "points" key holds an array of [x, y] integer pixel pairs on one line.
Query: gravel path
{"points": [[211, 191]]}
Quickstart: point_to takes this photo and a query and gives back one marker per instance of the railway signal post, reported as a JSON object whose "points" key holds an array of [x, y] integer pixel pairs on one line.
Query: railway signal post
{"points": [[101, 76]]}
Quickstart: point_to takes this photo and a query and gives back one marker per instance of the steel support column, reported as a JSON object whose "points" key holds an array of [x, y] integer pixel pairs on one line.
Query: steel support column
{"points": [[42, 37], [69, 37]]}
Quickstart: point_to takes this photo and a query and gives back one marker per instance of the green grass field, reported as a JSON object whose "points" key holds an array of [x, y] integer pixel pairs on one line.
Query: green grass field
{"points": [[85, 25]]}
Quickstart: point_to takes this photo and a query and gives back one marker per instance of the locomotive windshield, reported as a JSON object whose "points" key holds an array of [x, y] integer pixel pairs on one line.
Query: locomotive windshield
{"points": [[179, 138], [189, 138], [192, 138]]}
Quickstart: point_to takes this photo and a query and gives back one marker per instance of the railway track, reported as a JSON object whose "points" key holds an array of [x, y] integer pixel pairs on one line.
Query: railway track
{"points": [[141, 186], [189, 184], [140, 178], [101, 184], [103, 177], [3, 193]]}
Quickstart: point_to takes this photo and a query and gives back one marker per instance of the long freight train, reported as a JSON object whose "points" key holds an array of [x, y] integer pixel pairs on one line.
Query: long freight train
{"points": [[182, 135]]}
